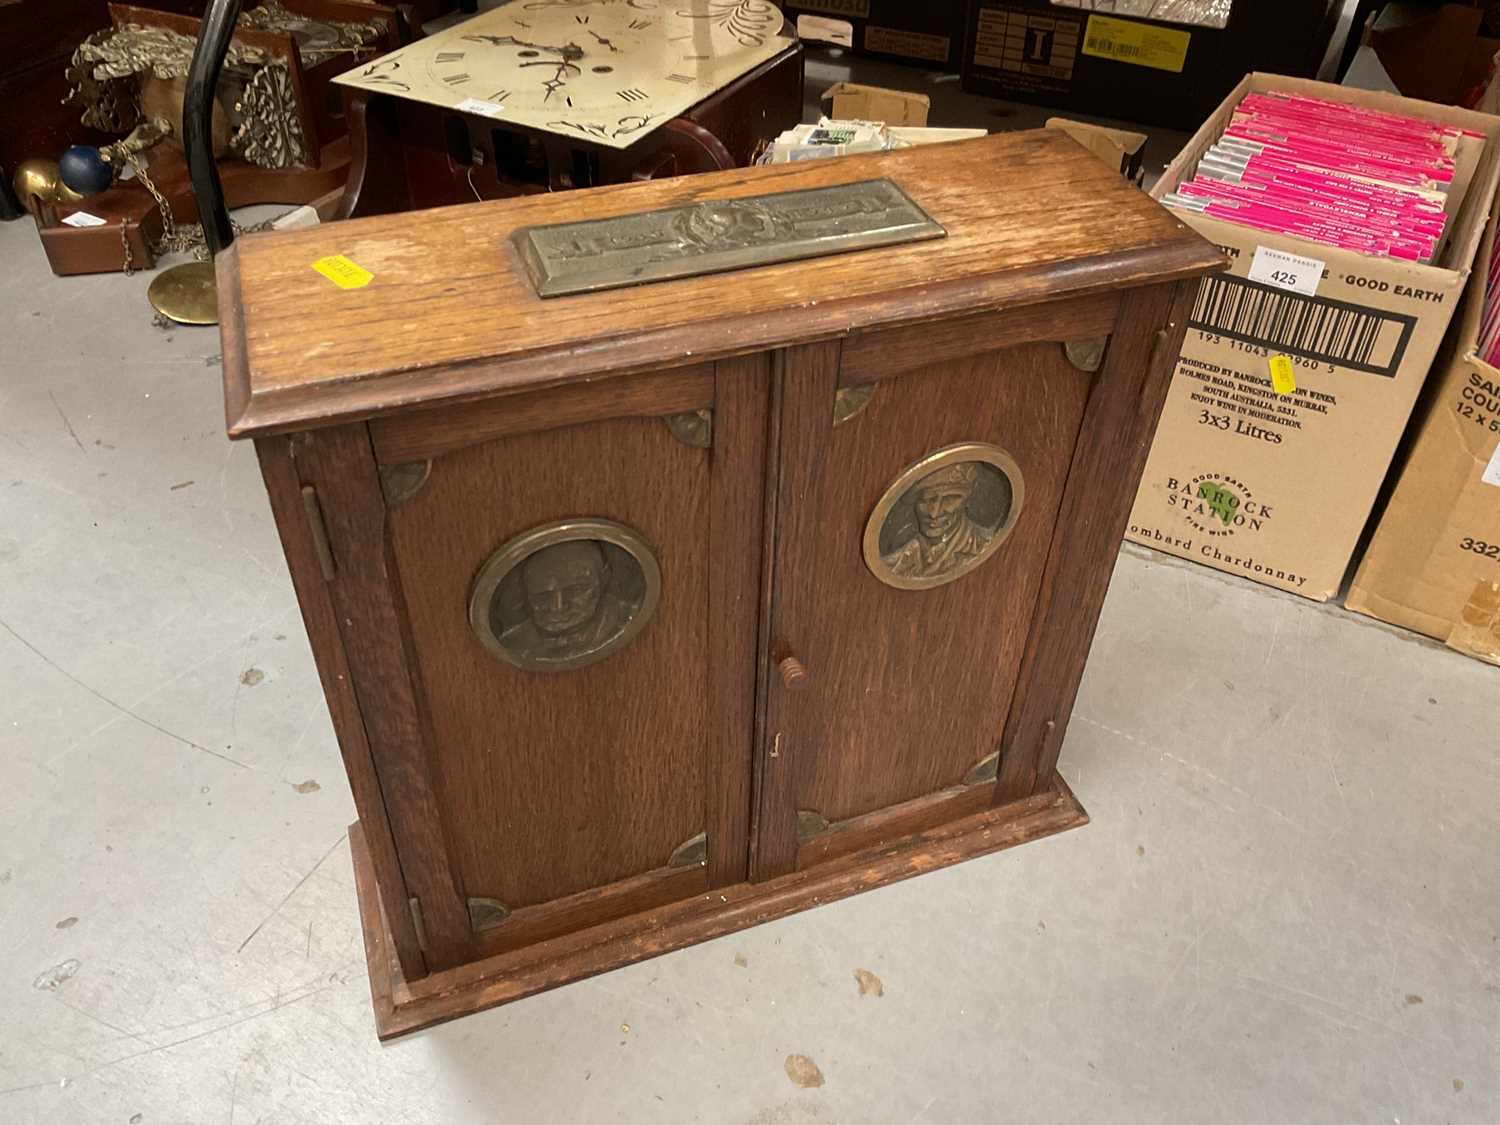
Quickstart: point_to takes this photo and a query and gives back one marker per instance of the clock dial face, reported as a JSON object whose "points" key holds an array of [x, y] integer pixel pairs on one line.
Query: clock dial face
{"points": [[606, 71]]}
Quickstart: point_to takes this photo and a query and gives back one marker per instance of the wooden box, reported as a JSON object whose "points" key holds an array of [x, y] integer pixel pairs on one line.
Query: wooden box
{"points": [[834, 536]]}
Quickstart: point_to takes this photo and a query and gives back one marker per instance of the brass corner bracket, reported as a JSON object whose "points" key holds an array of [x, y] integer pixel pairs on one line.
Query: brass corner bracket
{"points": [[401, 482], [486, 913], [692, 427], [849, 401], [1086, 354]]}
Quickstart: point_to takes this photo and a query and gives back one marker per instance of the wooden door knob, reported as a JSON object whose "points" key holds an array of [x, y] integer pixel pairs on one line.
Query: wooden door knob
{"points": [[793, 674]]}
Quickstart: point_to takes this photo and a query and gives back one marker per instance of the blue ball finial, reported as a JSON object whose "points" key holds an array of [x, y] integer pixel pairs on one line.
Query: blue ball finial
{"points": [[85, 170]]}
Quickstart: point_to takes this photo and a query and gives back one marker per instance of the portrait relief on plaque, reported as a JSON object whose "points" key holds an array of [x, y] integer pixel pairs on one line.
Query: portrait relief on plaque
{"points": [[943, 516], [565, 595]]}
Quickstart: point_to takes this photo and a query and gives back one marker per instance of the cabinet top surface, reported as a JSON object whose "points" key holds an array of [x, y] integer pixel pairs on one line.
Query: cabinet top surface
{"points": [[450, 312]]}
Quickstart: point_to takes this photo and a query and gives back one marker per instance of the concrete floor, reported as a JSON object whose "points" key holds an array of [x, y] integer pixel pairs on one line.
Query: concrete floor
{"points": [[1285, 910]]}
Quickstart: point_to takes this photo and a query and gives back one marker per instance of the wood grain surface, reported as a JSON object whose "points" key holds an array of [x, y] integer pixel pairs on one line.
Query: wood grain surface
{"points": [[373, 622], [451, 315], [431, 433], [736, 527], [553, 783], [1106, 470], [808, 379], [284, 489], [911, 687], [402, 1007]]}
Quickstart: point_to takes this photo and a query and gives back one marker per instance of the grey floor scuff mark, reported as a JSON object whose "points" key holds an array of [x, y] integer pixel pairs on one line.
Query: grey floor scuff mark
{"points": [[52, 979], [120, 707], [72, 433], [300, 882]]}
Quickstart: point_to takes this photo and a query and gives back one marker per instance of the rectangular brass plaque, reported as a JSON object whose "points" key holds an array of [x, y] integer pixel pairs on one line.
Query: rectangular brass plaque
{"points": [[719, 235]]}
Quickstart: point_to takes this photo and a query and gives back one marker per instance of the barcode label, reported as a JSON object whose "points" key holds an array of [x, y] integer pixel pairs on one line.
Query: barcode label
{"points": [[1316, 328], [1136, 44], [1119, 50]]}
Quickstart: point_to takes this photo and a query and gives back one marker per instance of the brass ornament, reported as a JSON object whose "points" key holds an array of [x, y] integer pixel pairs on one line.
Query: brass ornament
{"points": [[943, 516], [849, 401], [186, 293], [39, 187], [120, 74], [692, 427], [486, 913], [317, 40], [131, 49], [1086, 354], [718, 235], [565, 595], [270, 131]]}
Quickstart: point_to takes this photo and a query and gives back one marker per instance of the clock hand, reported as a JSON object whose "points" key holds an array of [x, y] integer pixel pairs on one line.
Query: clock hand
{"points": [[604, 41], [570, 52]]}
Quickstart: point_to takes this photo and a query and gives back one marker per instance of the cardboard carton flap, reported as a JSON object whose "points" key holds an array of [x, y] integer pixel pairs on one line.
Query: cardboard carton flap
{"points": [[850, 100]]}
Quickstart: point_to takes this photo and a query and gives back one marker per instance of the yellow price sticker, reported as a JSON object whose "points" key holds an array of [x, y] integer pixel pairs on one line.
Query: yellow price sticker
{"points": [[1283, 379], [1140, 44], [342, 272]]}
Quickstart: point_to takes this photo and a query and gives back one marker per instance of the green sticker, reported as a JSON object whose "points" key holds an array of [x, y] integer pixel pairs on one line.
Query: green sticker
{"points": [[1223, 502]]}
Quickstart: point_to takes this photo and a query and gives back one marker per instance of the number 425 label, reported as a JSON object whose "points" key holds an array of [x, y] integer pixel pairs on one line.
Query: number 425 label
{"points": [[1286, 271]]}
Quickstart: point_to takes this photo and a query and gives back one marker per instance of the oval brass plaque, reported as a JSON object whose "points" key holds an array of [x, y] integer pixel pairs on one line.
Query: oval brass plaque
{"points": [[565, 595], [943, 516]]}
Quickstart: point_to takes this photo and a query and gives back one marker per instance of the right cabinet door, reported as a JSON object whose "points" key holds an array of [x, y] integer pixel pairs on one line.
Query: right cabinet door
{"points": [[914, 521]]}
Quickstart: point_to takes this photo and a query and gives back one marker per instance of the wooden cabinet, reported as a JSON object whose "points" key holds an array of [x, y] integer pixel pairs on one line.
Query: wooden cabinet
{"points": [[650, 614]]}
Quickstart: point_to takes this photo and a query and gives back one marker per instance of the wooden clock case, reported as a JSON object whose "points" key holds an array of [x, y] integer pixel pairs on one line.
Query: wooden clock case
{"points": [[408, 155], [132, 217], [789, 727]]}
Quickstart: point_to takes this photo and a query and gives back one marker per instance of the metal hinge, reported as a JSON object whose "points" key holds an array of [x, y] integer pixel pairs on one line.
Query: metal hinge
{"points": [[414, 904], [321, 547]]}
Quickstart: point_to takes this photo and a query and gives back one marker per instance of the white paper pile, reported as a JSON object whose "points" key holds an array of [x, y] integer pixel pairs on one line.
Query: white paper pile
{"points": [[841, 138], [1198, 13]]}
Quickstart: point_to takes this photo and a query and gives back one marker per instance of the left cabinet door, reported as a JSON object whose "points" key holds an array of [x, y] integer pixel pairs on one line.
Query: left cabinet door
{"points": [[574, 577]]}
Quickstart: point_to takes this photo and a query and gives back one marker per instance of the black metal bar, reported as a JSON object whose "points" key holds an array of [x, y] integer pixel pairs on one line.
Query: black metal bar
{"points": [[214, 35], [10, 206]]}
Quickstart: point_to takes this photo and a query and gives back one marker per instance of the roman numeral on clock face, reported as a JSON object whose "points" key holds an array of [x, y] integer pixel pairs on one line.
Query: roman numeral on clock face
{"points": [[631, 95], [448, 56], [499, 95], [684, 79], [455, 79]]}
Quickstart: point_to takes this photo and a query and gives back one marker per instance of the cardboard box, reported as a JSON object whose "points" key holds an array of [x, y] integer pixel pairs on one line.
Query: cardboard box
{"points": [[1119, 148], [1278, 487], [930, 33], [849, 101], [1433, 564], [1149, 70]]}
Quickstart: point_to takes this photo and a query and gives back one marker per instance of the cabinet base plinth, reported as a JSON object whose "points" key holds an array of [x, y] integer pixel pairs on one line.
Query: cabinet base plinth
{"points": [[402, 1007]]}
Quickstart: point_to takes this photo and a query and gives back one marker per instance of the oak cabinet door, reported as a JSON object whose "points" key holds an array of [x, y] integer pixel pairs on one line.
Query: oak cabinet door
{"points": [[579, 643], [915, 534]]}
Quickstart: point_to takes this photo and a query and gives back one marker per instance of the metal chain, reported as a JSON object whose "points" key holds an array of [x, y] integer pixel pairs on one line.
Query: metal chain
{"points": [[186, 238]]}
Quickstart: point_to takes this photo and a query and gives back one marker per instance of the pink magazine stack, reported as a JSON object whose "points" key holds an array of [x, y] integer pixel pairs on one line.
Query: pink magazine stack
{"points": [[1342, 175]]}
